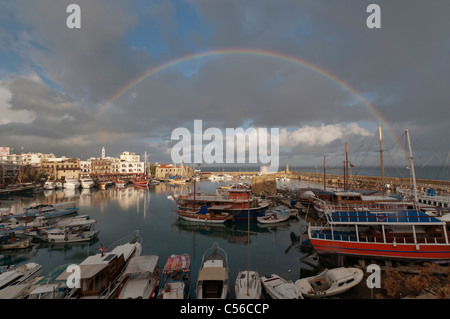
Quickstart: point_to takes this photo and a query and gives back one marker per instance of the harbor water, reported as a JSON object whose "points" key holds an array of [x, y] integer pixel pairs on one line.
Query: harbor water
{"points": [[121, 211]]}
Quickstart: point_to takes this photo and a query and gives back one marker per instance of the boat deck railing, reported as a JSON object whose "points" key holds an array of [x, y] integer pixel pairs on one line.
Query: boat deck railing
{"points": [[322, 232]]}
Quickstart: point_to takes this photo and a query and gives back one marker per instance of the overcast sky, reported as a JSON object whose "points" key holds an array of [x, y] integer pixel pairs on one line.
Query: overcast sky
{"points": [[56, 82]]}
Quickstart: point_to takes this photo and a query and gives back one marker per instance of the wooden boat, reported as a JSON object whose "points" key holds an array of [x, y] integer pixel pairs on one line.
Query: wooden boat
{"points": [[140, 278], [276, 215], [203, 215], [50, 287], [247, 285], [9, 240], [105, 268], [238, 202], [177, 278], [20, 274], [279, 288], [141, 182], [212, 281], [330, 282]]}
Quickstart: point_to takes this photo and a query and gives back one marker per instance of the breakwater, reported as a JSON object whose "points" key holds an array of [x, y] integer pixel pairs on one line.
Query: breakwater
{"points": [[354, 181]]}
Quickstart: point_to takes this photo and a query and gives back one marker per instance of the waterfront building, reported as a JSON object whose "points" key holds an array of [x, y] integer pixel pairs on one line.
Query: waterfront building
{"points": [[165, 171], [59, 168], [34, 159]]}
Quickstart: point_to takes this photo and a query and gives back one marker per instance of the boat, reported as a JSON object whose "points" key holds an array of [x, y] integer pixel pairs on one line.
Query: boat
{"points": [[237, 202], [20, 274], [72, 183], [248, 282], [247, 285], [140, 278], [120, 183], [9, 240], [277, 215], [141, 181], [279, 288], [58, 185], [49, 185], [212, 281], [177, 280], [66, 235], [105, 268], [399, 233], [203, 215], [50, 287], [330, 282], [86, 182]]}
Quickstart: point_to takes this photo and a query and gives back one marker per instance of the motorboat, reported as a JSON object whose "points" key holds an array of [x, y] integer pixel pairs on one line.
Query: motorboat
{"points": [[279, 288], [65, 235], [86, 182], [212, 281], [72, 183], [330, 282], [277, 215], [20, 274], [247, 285], [140, 278], [9, 240], [176, 283], [49, 185]]}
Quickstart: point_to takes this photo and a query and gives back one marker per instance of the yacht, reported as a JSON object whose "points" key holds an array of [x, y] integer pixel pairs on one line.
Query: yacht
{"points": [[86, 181]]}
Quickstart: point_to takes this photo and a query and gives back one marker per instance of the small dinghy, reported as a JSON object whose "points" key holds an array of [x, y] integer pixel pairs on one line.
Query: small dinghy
{"points": [[279, 288]]}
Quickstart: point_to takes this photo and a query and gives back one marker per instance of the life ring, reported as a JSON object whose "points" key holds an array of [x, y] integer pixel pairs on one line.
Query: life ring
{"points": [[381, 218]]}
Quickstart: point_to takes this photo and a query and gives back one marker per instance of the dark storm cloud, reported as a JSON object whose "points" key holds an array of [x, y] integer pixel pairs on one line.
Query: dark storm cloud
{"points": [[401, 69]]}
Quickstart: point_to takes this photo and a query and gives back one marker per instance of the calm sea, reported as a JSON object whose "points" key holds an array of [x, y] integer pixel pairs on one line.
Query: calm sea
{"points": [[119, 212]]}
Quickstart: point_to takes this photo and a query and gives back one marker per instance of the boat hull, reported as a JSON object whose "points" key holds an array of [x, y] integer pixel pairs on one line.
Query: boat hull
{"points": [[431, 252]]}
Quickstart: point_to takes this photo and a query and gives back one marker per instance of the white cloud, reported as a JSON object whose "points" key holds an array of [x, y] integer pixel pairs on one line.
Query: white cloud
{"points": [[319, 135]]}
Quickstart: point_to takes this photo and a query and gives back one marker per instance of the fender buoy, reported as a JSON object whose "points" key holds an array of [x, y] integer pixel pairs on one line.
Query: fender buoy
{"points": [[381, 218]]}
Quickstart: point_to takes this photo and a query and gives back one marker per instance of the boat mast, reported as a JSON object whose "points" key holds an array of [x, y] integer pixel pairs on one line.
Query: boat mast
{"points": [[412, 167], [381, 160], [346, 168], [324, 176]]}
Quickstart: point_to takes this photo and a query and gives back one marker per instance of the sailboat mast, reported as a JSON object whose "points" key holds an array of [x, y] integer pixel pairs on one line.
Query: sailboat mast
{"points": [[381, 160], [346, 168], [324, 175], [413, 173]]}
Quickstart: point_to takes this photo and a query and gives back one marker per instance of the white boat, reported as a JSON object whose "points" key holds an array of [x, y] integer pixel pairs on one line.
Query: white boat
{"points": [[49, 185], [19, 275], [212, 281], [86, 182], [247, 285], [276, 215], [66, 235], [72, 183], [58, 185], [330, 282], [140, 278], [279, 288]]}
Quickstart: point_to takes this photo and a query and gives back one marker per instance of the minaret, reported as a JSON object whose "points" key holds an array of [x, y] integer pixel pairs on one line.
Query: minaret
{"points": [[103, 152]]}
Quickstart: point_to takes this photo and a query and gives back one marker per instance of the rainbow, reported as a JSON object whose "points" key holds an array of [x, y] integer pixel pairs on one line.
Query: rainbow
{"points": [[269, 54]]}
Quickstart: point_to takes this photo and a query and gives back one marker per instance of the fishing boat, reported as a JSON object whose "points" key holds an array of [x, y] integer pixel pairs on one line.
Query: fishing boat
{"points": [[212, 281], [20, 274], [105, 268], [176, 283], [279, 288], [140, 278], [9, 240], [247, 285], [204, 215], [237, 202], [277, 215], [50, 287], [120, 183], [330, 282], [66, 235]]}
